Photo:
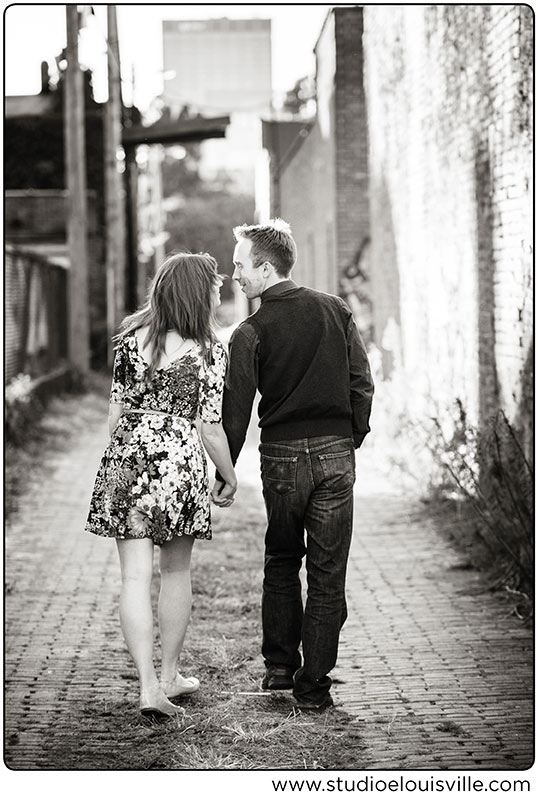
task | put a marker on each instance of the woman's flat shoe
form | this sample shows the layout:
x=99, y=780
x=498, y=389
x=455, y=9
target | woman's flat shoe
x=180, y=686
x=157, y=707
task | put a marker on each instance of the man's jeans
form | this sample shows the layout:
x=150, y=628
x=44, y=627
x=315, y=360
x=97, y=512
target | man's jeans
x=307, y=484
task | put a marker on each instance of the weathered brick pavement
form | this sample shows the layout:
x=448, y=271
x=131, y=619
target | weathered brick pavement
x=434, y=671
x=437, y=672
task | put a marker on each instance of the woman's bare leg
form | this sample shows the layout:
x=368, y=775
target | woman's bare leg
x=136, y=617
x=175, y=601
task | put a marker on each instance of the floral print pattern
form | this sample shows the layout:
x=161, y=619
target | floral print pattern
x=152, y=480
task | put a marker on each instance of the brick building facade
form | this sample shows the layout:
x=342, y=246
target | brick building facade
x=450, y=158
x=322, y=176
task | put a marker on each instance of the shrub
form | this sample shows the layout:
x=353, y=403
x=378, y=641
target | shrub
x=489, y=470
x=21, y=408
x=478, y=478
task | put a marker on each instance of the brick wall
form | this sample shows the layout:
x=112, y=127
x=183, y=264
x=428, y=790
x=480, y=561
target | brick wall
x=450, y=157
x=351, y=132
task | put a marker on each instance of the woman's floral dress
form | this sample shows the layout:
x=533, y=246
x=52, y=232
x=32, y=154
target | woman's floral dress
x=152, y=480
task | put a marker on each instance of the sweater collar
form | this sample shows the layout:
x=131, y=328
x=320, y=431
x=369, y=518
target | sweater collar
x=278, y=288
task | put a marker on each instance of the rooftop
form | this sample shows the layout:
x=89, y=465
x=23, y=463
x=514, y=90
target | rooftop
x=28, y=105
x=216, y=25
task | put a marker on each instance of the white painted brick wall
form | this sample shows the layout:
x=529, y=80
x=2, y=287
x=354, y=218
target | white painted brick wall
x=451, y=199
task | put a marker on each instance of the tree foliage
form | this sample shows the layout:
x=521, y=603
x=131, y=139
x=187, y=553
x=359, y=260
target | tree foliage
x=205, y=212
x=300, y=100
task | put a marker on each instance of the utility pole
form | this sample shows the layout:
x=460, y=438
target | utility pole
x=77, y=229
x=115, y=241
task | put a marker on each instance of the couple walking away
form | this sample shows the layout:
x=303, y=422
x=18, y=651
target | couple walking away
x=171, y=380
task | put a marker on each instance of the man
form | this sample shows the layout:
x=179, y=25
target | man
x=301, y=349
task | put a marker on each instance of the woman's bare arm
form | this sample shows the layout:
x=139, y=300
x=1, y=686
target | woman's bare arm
x=114, y=414
x=216, y=444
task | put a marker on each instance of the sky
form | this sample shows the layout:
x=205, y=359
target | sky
x=36, y=33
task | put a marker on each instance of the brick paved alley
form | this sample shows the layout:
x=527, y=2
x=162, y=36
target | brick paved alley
x=433, y=669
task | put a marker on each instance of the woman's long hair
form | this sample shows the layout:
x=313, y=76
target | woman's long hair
x=181, y=298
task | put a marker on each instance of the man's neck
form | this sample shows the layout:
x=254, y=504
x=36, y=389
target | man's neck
x=273, y=281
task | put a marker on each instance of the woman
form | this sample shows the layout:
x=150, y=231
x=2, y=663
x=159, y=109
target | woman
x=152, y=485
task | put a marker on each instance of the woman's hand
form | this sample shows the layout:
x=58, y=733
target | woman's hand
x=223, y=494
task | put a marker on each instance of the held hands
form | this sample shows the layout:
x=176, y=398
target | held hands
x=223, y=494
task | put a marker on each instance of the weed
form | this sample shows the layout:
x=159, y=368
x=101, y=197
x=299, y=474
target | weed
x=448, y=726
x=477, y=483
x=260, y=732
x=194, y=756
x=489, y=472
x=21, y=408
x=33, y=436
x=389, y=726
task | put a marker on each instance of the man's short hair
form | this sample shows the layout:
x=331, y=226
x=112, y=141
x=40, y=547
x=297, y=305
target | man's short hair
x=271, y=242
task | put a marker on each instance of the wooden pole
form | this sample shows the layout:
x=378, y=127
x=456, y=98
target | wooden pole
x=77, y=230
x=114, y=190
x=136, y=277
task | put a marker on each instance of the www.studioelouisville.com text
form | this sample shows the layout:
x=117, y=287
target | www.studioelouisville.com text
x=461, y=783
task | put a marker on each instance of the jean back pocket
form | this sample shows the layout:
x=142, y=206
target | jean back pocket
x=279, y=475
x=338, y=469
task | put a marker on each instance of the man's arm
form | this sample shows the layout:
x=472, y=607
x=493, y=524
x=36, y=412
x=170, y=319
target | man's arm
x=240, y=387
x=362, y=385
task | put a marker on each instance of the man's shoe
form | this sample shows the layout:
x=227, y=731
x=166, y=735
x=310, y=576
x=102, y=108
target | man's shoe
x=309, y=705
x=278, y=678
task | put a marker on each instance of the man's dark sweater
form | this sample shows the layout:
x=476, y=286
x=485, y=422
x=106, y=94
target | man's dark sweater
x=304, y=353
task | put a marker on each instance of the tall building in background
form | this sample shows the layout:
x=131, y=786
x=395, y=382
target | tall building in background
x=222, y=66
